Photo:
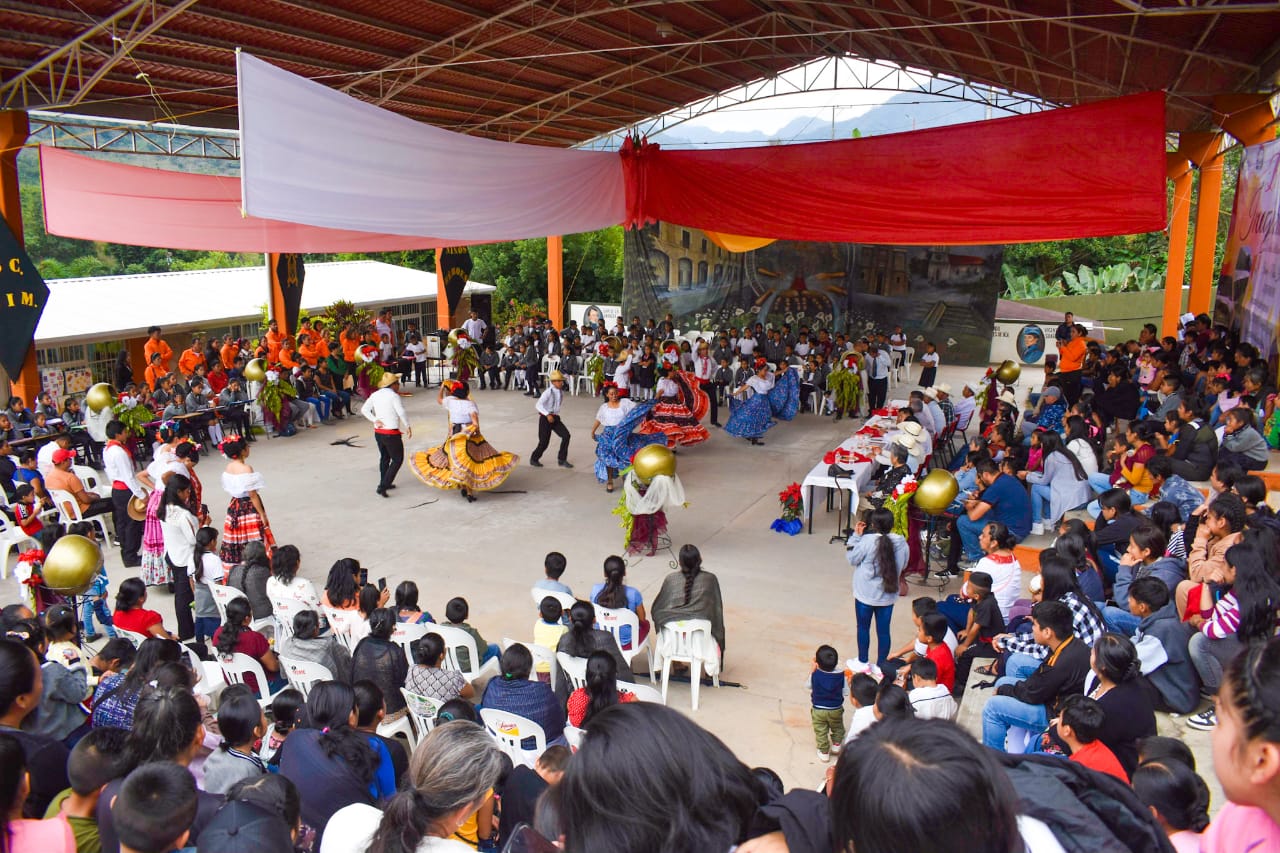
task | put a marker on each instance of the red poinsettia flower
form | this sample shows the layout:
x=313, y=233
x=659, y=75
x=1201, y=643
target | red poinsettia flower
x=829, y=458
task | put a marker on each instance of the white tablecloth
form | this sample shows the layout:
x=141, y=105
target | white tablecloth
x=859, y=473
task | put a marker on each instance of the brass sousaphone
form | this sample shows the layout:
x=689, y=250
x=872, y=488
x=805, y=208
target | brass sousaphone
x=615, y=343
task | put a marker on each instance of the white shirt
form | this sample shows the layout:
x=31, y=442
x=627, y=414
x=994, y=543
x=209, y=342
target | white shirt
x=44, y=457
x=704, y=368
x=898, y=343
x=666, y=388
x=301, y=590
x=747, y=346
x=929, y=358
x=963, y=407
x=622, y=374
x=609, y=416
x=179, y=528
x=760, y=386
x=460, y=411
x=474, y=328
x=211, y=568
x=939, y=419
x=119, y=466
x=1083, y=451
x=419, y=351
x=878, y=367
x=384, y=406
x=933, y=703
x=549, y=402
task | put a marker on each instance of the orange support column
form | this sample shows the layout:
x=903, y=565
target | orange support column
x=1246, y=116
x=275, y=305
x=1178, y=168
x=1203, y=149
x=444, y=319
x=555, y=281
x=14, y=130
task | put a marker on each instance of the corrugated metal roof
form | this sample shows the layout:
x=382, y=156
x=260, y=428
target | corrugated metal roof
x=123, y=306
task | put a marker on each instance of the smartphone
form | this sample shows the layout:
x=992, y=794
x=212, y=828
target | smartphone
x=526, y=840
x=364, y=576
x=382, y=583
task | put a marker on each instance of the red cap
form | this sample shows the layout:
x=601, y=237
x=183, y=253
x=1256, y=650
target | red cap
x=62, y=455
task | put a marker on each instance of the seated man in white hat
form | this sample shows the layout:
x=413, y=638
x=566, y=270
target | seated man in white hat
x=942, y=394
x=940, y=420
x=964, y=405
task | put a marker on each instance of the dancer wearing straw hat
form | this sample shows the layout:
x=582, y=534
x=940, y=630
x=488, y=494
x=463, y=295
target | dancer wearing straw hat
x=390, y=426
x=548, y=407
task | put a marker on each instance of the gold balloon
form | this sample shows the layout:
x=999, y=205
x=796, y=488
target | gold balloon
x=936, y=491
x=99, y=397
x=652, y=460
x=255, y=371
x=1008, y=372
x=71, y=564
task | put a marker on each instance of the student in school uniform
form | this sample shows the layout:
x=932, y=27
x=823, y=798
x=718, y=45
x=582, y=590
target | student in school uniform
x=929, y=375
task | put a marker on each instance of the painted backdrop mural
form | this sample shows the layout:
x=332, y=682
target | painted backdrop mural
x=942, y=294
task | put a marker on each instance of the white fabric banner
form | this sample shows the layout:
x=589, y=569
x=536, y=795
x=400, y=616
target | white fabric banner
x=312, y=155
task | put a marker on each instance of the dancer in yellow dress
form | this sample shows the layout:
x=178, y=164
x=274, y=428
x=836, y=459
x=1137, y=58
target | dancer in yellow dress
x=465, y=461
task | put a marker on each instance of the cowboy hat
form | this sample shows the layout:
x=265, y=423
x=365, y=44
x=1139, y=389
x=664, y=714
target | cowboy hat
x=1007, y=397
x=388, y=379
x=137, y=508
x=906, y=442
x=912, y=428
x=942, y=388
x=930, y=392
x=555, y=376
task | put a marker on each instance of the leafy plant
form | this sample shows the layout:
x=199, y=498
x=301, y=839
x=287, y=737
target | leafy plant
x=846, y=389
x=134, y=418
x=273, y=395
x=1027, y=287
x=512, y=311
x=341, y=314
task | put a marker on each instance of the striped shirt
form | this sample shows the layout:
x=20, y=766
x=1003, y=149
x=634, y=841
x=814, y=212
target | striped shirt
x=1085, y=626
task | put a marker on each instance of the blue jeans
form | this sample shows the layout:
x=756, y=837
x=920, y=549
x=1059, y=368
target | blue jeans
x=334, y=400
x=492, y=651
x=1100, y=482
x=1040, y=502
x=1004, y=713
x=969, y=531
x=864, y=613
x=1019, y=666
x=322, y=405
x=92, y=606
x=1120, y=621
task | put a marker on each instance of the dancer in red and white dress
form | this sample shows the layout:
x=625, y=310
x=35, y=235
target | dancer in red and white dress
x=681, y=406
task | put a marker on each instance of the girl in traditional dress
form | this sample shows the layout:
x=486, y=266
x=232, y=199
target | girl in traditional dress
x=751, y=418
x=622, y=373
x=155, y=571
x=784, y=396
x=465, y=461
x=246, y=516
x=680, y=408
x=615, y=436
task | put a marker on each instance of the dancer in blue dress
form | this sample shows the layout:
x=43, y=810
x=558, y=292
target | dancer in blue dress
x=614, y=433
x=751, y=418
x=784, y=396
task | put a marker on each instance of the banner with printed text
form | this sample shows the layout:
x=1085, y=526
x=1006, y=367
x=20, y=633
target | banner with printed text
x=1249, y=285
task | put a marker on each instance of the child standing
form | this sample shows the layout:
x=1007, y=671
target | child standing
x=930, y=362
x=25, y=511
x=208, y=569
x=878, y=556
x=826, y=694
x=95, y=597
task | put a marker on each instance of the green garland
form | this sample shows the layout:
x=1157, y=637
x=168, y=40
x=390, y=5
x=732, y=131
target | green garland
x=899, y=506
x=272, y=396
x=372, y=371
x=625, y=519
x=133, y=418
x=466, y=356
x=595, y=369
x=846, y=389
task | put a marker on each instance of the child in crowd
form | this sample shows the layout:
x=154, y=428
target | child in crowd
x=456, y=613
x=826, y=695
x=723, y=379
x=41, y=425
x=933, y=633
x=929, y=699
x=985, y=622
x=1162, y=640
x=553, y=565
x=428, y=678
x=862, y=695
x=25, y=512
x=407, y=609
x=97, y=758
x=920, y=607
x=241, y=723
x=66, y=675
x=1079, y=723
x=155, y=808
x=209, y=570
x=95, y=597
x=1177, y=797
x=1207, y=572
x=548, y=628
x=286, y=713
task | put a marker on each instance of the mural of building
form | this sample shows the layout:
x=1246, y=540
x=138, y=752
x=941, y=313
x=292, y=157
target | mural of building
x=684, y=258
x=883, y=270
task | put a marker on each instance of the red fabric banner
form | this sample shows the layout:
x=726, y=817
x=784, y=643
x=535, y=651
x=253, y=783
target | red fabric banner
x=1087, y=171
x=91, y=199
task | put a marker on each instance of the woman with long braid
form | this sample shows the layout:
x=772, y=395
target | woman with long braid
x=691, y=593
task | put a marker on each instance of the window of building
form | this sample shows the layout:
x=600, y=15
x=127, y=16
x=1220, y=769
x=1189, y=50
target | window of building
x=704, y=245
x=684, y=239
x=702, y=272
x=686, y=272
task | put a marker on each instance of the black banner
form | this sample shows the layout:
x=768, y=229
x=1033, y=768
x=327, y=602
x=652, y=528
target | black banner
x=23, y=295
x=455, y=265
x=290, y=273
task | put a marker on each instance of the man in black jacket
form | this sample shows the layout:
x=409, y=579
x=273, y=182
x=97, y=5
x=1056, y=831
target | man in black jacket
x=1031, y=703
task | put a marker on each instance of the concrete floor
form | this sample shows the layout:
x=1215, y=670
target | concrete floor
x=783, y=595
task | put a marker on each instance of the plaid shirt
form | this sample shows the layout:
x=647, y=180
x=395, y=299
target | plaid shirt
x=1086, y=627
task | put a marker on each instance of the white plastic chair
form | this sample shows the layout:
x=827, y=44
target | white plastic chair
x=282, y=612
x=11, y=539
x=537, y=594
x=69, y=512
x=455, y=639
x=93, y=480
x=400, y=726
x=422, y=712
x=614, y=621
x=302, y=674
x=405, y=634
x=541, y=655
x=683, y=642
x=223, y=595
x=344, y=625
x=549, y=363
x=209, y=675
x=238, y=666
x=583, y=382
x=573, y=736
x=643, y=692
x=132, y=636
x=509, y=730
x=575, y=669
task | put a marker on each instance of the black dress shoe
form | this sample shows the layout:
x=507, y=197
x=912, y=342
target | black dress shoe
x=535, y=463
x=382, y=492
x=565, y=464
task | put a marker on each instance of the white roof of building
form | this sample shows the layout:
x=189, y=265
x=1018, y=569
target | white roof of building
x=124, y=306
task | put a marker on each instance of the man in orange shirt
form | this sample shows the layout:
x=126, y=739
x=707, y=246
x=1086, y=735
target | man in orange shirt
x=155, y=371
x=307, y=349
x=157, y=344
x=230, y=349
x=1071, y=355
x=275, y=339
x=60, y=478
x=350, y=341
x=288, y=356
x=192, y=357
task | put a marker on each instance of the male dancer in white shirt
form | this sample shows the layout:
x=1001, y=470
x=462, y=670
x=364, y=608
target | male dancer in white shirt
x=390, y=426
x=549, y=421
